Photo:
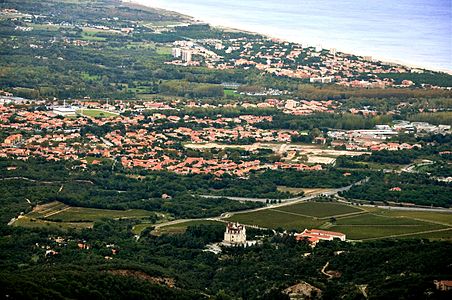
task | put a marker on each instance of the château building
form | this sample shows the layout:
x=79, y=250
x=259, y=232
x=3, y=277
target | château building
x=235, y=234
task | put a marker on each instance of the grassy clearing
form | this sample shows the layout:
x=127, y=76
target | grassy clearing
x=137, y=229
x=96, y=113
x=87, y=77
x=88, y=37
x=320, y=209
x=379, y=166
x=59, y=215
x=73, y=214
x=229, y=92
x=104, y=160
x=48, y=27
x=163, y=50
x=90, y=34
x=181, y=227
x=29, y=222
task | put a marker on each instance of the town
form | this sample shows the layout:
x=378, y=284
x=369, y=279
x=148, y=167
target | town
x=158, y=136
x=146, y=154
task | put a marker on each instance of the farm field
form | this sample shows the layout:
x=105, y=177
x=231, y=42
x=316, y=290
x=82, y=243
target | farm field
x=270, y=218
x=320, y=209
x=367, y=232
x=27, y=222
x=358, y=223
x=232, y=93
x=57, y=214
x=74, y=214
x=438, y=217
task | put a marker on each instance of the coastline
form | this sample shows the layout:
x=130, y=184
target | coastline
x=222, y=24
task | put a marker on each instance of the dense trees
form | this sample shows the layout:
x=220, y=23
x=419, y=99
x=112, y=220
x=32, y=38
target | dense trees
x=342, y=93
x=101, y=188
x=186, y=89
x=433, y=118
x=324, y=120
x=438, y=79
x=414, y=188
x=138, y=270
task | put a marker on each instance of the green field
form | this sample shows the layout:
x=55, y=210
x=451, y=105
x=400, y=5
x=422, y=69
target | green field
x=74, y=214
x=96, y=113
x=365, y=232
x=178, y=228
x=320, y=209
x=28, y=222
x=57, y=214
x=229, y=92
x=163, y=50
x=373, y=219
x=270, y=218
x=438, y=217
x=358, y=223
x=87, y=76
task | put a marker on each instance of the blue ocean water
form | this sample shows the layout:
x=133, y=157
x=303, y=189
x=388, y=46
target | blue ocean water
x=415, y=32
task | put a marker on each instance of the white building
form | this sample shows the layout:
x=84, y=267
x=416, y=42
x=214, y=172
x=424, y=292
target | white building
x=186, y=55
x=291, y=104
x=327, y=79
x=176, y=52
x=64, y=110
x=235, y=234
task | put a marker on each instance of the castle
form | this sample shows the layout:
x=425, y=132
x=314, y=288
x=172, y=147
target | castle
x=235, y=234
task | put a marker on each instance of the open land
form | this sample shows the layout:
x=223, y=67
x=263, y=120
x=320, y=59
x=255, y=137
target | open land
x=357, y=222
x=97, y=113
x=57, y=214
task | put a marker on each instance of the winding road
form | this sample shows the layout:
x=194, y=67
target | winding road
x=285, y=202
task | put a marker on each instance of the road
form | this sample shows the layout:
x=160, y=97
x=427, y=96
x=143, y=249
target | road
x=286, y=202
x=411, y=168
x=328, y=192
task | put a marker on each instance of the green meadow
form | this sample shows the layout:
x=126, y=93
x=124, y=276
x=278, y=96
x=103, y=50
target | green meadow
x=357, y=222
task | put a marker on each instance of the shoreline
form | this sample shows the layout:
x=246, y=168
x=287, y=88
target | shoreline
x=221, y=25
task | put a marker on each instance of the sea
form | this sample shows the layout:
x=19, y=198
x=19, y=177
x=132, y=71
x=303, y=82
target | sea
x=413, y=32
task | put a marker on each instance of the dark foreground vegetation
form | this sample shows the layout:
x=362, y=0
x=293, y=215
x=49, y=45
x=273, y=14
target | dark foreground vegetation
x=176, y=267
